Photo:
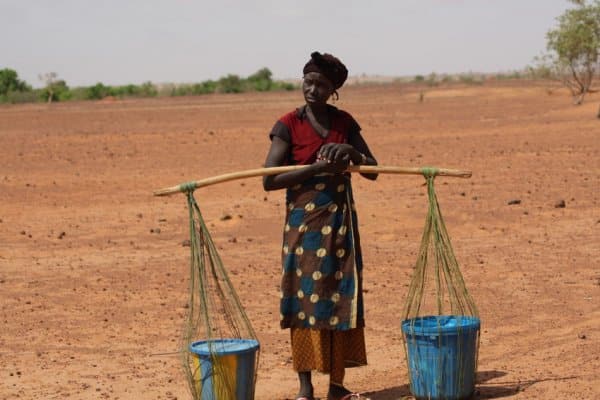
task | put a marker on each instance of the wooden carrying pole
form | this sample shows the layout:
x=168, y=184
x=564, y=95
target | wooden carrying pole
x=365, y=169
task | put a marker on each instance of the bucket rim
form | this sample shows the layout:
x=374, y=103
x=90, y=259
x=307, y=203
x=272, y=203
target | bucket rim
x=436, y=324
x=236, y=346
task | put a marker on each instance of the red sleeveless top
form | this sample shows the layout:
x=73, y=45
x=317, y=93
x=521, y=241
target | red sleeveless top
x=296, y=129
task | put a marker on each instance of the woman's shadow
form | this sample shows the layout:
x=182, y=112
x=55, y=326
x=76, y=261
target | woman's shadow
x=482, y=390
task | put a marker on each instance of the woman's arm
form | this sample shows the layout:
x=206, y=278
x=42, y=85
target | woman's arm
x=277, y=157
x=359, y=144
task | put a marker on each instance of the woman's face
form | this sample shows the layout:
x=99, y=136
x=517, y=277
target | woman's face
x=316, y=88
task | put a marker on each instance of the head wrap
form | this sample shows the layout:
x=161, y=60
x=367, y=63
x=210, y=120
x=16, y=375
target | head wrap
x=329, y=66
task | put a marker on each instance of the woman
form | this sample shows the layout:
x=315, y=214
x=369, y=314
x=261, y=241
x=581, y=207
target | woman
x=321, y=290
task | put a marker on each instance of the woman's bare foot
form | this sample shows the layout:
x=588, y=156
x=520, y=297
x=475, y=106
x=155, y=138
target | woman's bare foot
x=305, y=395
x=306, y=388
x=337, y=392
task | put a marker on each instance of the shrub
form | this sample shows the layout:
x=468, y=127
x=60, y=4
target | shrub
x=263, y=74
x=261, y=80
x=10, y=82
x=230, y=84
x=126, y=90
x=98, y=92
x=147, y=89
x=262, y=85
x=205, y=87
x=55, y=91
x=79, y=93
x=181, y=90
x=284, y=86
x=30, y=96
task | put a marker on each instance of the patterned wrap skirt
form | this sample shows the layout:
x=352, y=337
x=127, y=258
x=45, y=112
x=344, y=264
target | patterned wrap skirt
x=321, y=286
x=328, y=351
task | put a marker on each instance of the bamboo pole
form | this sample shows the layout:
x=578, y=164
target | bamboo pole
x=365, y=169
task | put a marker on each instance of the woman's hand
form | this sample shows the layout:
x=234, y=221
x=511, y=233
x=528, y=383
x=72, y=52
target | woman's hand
x=334, y=157
x=335, y=167
x=338, y=152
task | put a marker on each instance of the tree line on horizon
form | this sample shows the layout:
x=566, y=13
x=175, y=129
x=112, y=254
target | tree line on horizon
x=15, y=90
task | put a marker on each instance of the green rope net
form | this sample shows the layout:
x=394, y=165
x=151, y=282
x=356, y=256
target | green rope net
x=440, y=324
x=220, y=350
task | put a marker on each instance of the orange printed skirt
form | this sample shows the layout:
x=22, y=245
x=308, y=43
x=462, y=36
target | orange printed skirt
x=328, y=351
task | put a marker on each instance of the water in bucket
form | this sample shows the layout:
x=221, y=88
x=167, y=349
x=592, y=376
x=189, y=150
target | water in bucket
x=223, y=369
x=442, y=356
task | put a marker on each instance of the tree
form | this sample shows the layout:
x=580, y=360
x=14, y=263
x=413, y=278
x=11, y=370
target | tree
x=147, y=89
x=574, y=47
x=98, y=91
x=10, y=82
x=264, y=74
x=55, y=89
x=231, y=84
x=261, y=80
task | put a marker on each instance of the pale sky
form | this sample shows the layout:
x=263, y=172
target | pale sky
x=133, y=41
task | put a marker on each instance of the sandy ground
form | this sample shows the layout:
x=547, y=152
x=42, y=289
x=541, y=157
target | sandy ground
x=93, y=273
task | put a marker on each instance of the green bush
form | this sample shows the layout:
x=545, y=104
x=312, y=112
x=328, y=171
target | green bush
x=98, y=92
x=181, y=90
x=262, y=85
x=284, y=86
x=261, y=80
x=230, y=84
x=263, y=74
x=205, y=87
x=147, y=89
x=30, y=96
x=55, y=91
x=79, y=93
x=10, y=82
x=125, y=90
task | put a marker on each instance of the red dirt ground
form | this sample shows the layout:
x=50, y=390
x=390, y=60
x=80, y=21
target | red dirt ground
x=93, y=274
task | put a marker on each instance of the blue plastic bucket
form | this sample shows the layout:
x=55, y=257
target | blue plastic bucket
x=233, y=372
x=442, y=356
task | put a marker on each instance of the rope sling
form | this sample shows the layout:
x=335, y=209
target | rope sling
x=220, y=349
x=440, y=323
x=218, y=334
